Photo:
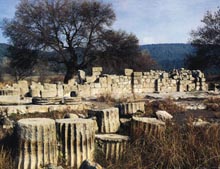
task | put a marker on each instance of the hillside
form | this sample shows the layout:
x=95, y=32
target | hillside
x=169, y=56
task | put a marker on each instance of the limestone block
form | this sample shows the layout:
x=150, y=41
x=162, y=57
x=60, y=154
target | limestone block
x=76, y=139
x=128, y=72
x=130, y=108
x=60, y=91
x=72, y=82
x=9, y=100
x=107, y=119
x=163, y=115
x=37, y=144
x=91, y=79
x=81, y=76
x=137, y=74
x=112, y=145
x=23, y=87
x=97, y=69
x=147, y=126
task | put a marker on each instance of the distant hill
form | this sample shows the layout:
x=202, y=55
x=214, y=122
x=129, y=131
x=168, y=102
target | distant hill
x=169, y=56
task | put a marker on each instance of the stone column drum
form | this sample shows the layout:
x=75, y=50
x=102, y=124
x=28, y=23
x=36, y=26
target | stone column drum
x=146, y=125
x=37, y=145
x=131, y=108
x=112, y=145
x=76, y=138
x=107, y=119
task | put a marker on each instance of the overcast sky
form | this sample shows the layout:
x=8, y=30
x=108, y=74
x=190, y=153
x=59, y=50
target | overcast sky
x=152, y=21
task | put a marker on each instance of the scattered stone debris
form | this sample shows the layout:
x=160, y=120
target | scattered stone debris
x=163, y=115
x=90, y=165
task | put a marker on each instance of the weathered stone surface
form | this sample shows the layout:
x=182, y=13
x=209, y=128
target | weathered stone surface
x=82, y=76
x=163, y=115
x=90, y=165
x=131, y=108
x=107, y=119
x=146, y=125
x=200, y=123
x=112, y=145
x=9, y=100
x=46, y=101
x=72, y=100
x=128, y=72
x=70, y=116
x=37, y=144
x=76, y=139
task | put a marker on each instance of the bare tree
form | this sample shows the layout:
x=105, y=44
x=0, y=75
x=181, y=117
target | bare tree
x=121, y=50
x=63, y=26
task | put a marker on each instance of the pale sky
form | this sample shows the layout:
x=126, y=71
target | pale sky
x=152, y=21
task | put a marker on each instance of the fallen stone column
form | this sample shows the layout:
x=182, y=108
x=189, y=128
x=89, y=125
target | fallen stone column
x=107, y=119
x=130, y=108
x=112, y=145
x=37, y=145
x=76, y=139
x=146, y=125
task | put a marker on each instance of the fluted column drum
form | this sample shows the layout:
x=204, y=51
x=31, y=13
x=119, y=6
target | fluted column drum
x=112, y=145
x=76, y=140
x=131, y=108
x=37, y=145
x=146, y=125
x=107, y=119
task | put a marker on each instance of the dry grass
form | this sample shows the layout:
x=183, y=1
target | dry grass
x=166, y=104
x=180, y=147
x=213, y=104
x=6, y=161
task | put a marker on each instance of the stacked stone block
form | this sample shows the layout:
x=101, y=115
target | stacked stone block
x=37, y=144
x=118, y=85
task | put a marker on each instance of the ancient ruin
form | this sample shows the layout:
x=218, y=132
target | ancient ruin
x=108, y=128
x=37, y=143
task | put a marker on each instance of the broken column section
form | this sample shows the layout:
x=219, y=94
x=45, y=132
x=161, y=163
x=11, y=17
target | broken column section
x=107, y=119
x=37, y=145
x=76, y=139
x=112, y=146
x=146, y=125
x=131, y=108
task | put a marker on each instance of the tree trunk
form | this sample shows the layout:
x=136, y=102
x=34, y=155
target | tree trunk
x=69, y=73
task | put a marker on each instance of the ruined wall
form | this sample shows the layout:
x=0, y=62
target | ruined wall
x=117, y=85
